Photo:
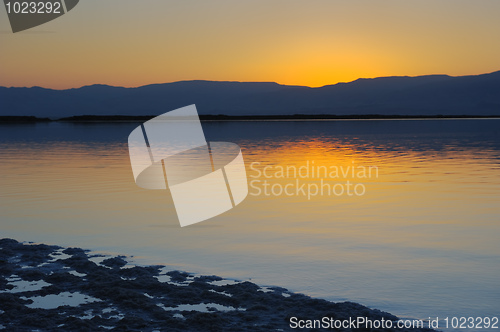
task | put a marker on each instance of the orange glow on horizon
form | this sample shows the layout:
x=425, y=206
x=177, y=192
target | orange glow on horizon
x=309, y=44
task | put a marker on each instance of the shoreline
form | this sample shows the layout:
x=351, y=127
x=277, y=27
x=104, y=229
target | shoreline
x=47, y=287
x=224, y=118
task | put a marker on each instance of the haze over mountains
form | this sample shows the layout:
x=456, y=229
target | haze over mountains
x=422, y=95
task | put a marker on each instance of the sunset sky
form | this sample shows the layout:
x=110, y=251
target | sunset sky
x=317, y=42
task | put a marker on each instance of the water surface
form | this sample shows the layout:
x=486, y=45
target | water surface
x=422, y=241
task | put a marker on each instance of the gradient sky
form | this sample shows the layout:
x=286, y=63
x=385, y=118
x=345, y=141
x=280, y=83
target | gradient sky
x=314, y=43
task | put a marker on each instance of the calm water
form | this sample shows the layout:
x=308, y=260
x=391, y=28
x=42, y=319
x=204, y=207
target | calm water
x=423, y=240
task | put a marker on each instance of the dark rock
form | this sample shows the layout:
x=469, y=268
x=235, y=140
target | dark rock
x=115, y=262
x=137, y=298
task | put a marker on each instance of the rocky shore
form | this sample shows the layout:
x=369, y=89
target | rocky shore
x=50, y=288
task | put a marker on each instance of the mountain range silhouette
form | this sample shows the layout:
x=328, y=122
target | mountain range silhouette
x=402, y=95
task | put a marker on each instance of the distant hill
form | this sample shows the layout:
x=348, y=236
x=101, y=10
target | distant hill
x=422, y=95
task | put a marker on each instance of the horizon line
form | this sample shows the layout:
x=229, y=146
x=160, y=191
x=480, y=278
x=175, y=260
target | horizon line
x=261, y=82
